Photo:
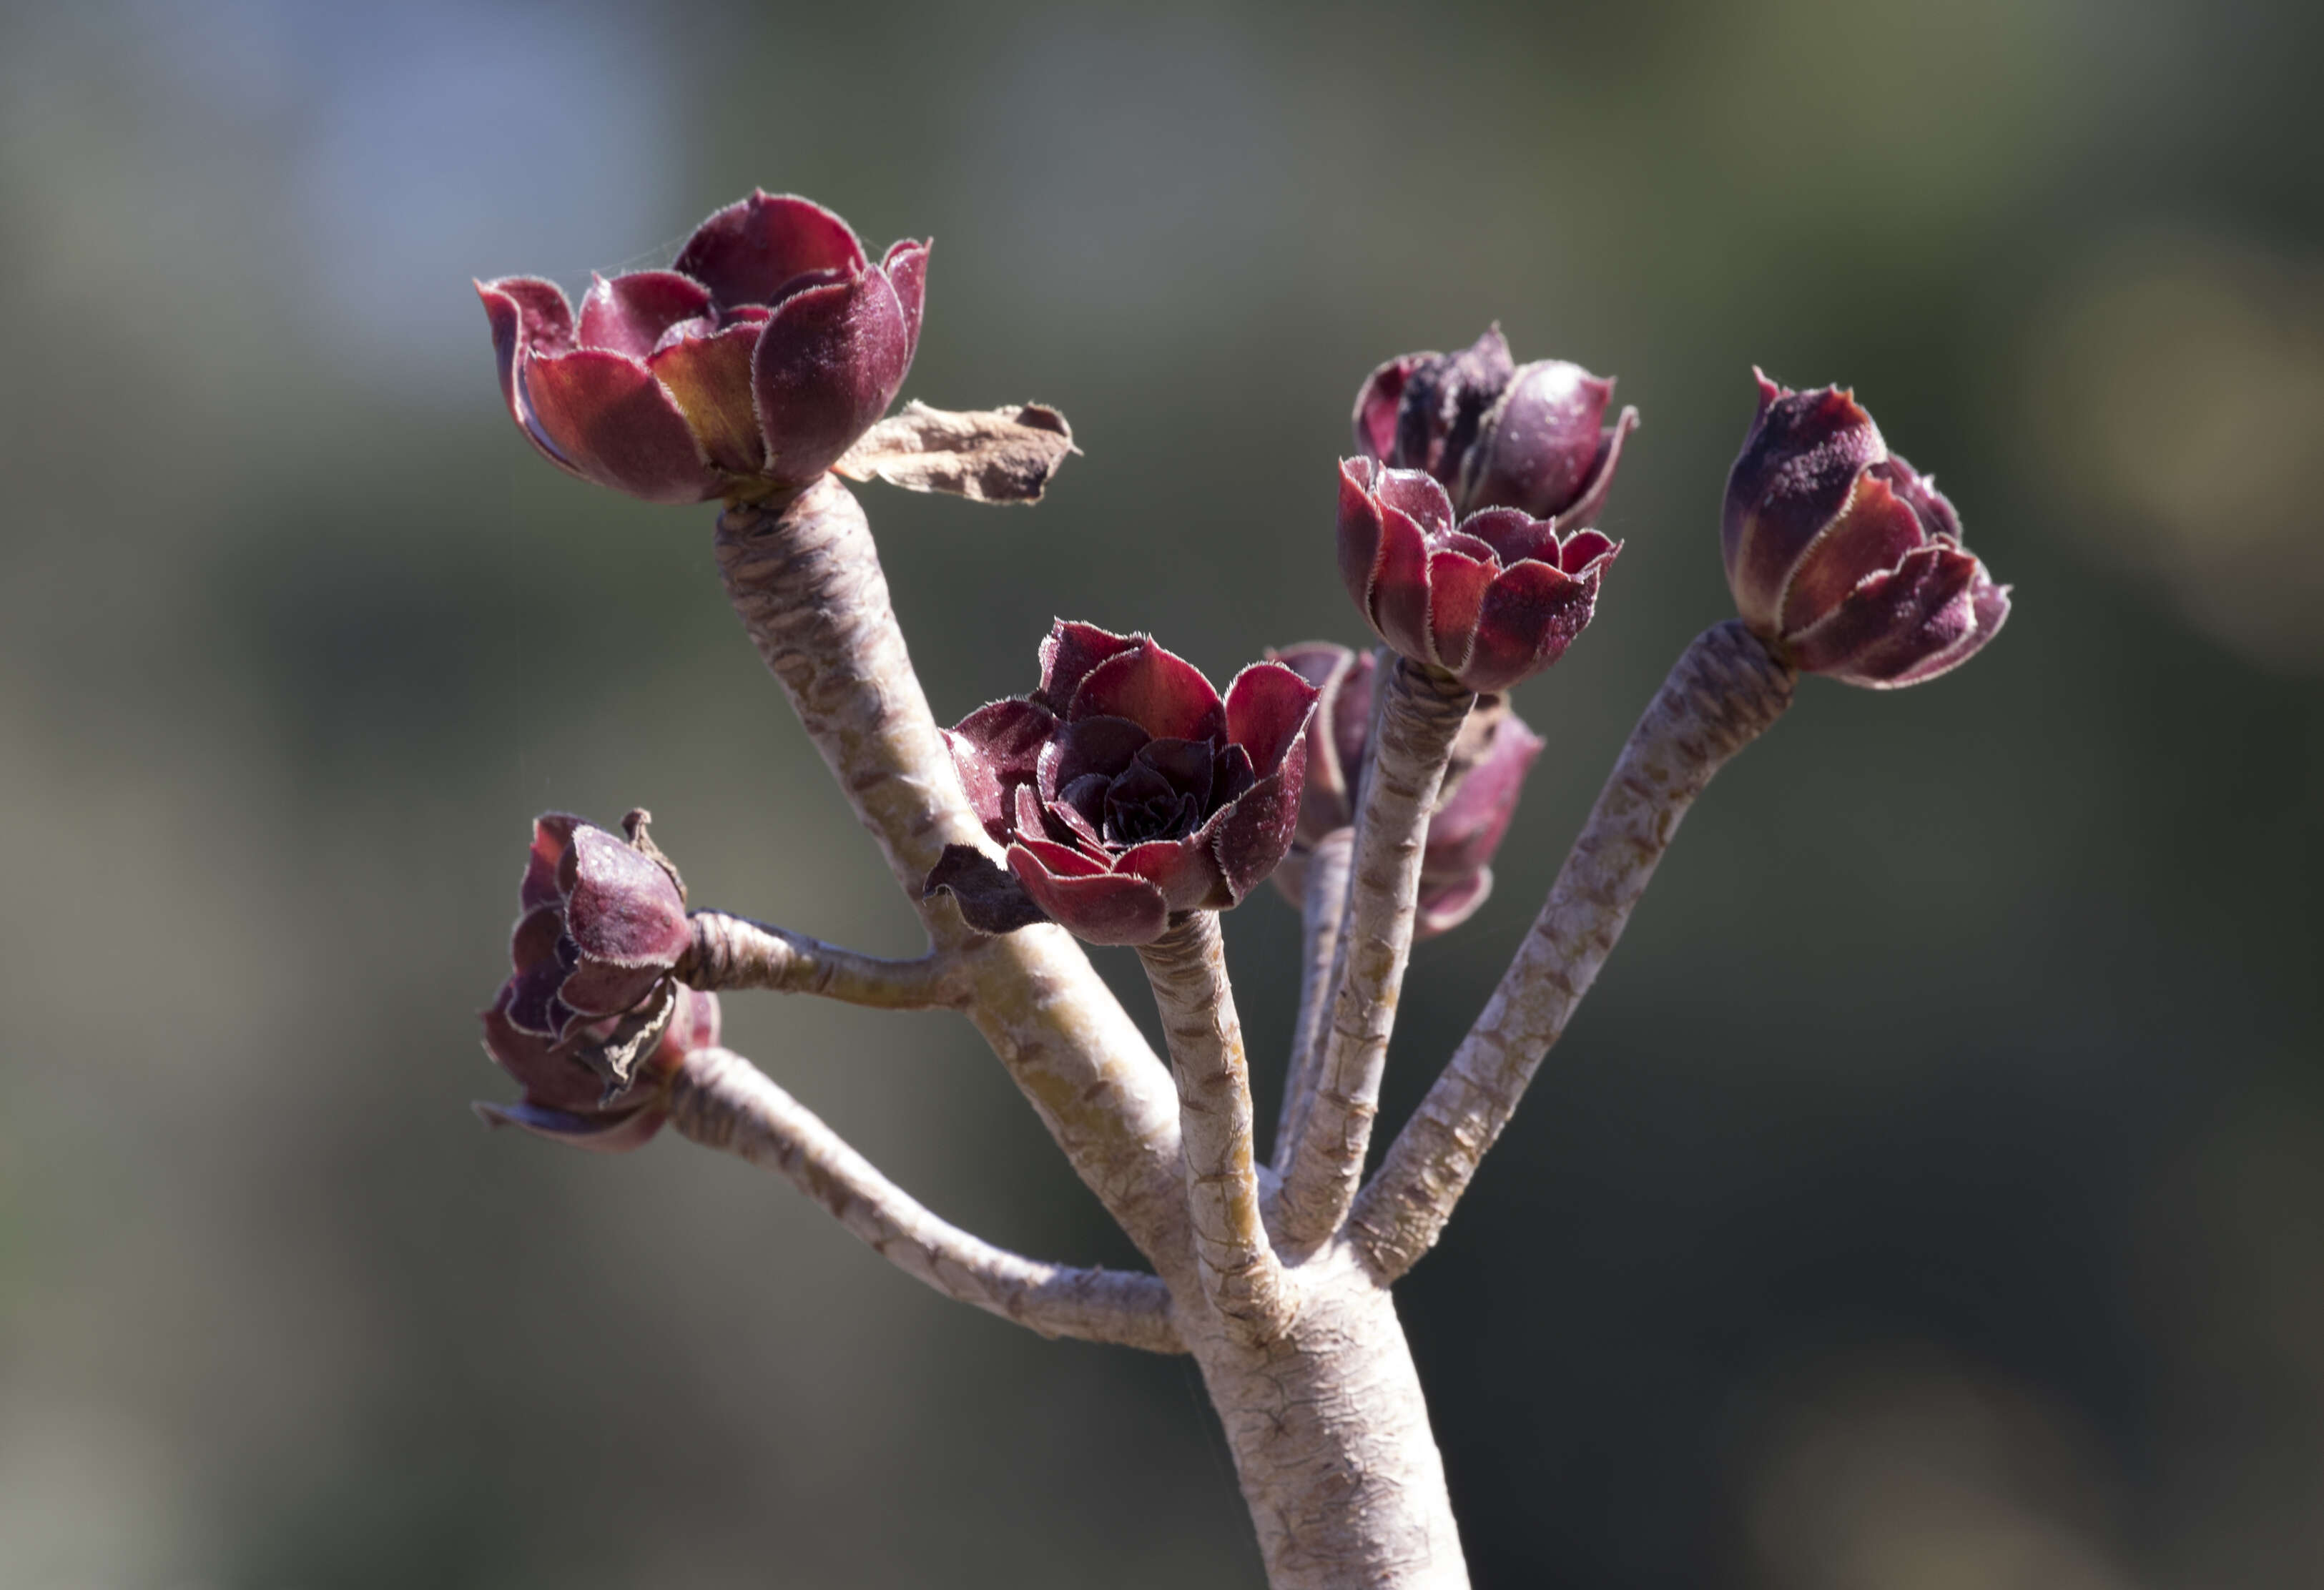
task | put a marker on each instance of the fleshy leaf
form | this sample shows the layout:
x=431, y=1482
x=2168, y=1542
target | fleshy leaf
x=828, y=363
x=1100, y=908
x=990, y=898
x=1155, y=689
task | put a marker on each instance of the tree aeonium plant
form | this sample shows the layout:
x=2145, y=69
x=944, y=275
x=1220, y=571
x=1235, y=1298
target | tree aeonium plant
x=1125, y=800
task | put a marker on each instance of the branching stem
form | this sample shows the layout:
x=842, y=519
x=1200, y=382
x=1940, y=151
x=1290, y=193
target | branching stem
x=1322, y=905
x=735, y=952
x=721, y=1100
x=805, y=580
x=1240, y=1273
x=1420, y=715
x=1724, y=692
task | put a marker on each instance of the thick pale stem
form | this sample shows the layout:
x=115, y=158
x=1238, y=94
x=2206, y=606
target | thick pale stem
x=735, y=952
x=1241, y=1274
x=805, y=580
x=1420, y=714
x=1331, y=1439
x=1724, y=692
x=1322, y=906
x=721, y=1100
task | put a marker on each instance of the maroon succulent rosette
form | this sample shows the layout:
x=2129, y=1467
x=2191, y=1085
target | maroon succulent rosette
x=1484, y=778
x=1126, y=790
x=1497, y=434
x=745, y=370
x=1491, y=601
x=594, y=1006
x=1842, y=557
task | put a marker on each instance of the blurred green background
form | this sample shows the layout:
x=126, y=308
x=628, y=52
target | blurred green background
x=1930, y=1196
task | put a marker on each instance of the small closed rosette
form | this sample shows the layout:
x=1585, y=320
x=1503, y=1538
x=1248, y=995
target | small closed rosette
x=1126, y=790
x=1494, y=433
x=1842, y=557
x=593, y=1007
x=744, y=371
x=1478, y=799
x=1490, y=601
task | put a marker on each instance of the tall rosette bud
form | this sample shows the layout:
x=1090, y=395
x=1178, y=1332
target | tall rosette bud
x=1842, y=557
x=1490, y=601
x=744, y=371
x=601, y=925
x=1126, y=790
x=593, y=1018
x=1479, y=797
x=1494, y=433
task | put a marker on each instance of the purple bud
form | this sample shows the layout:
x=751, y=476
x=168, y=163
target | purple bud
x=1126, y=789
x=1543, y=448
x=1841, y=558
x=743, y=371
x=1492, y=600
x=1495, y=435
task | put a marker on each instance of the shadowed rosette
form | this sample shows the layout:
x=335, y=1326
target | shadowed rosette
x=1496, y=434
x=1126, y=790
x=746, y=369
x=1485, y=773
x=601, y=925
x=1841, y=558
x=1491, y=601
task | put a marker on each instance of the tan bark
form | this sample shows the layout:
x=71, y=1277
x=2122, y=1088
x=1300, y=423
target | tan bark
x=1323, y=905
x=1419, y=716
x=807, y=583
x=721, y=1101
x=1242, y=1277
x=1331, y=1442
x=735, y=952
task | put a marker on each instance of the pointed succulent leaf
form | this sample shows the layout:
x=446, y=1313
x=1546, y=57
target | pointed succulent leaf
x=829, y=361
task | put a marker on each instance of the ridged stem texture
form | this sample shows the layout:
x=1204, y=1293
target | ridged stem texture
x=733, y=952
x=1420, y=715
x=805, y=580
x=1321, y=908
x=1242, y=1276
x=1724, y=692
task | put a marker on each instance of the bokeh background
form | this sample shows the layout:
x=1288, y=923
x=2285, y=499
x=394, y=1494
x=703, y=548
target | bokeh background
x=1930, y=1196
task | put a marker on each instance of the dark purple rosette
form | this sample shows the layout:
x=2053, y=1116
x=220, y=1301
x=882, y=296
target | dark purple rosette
x=744, y=371
x=1494, y=433
x=1842, y=557
x=1126, y=790
x=1482, y=781
x=1490, y=601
